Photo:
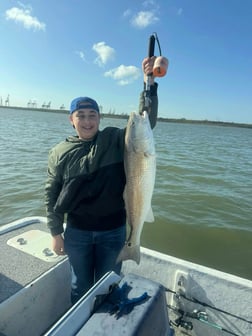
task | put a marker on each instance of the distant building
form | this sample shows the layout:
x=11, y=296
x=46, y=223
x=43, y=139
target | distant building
x=7, y=101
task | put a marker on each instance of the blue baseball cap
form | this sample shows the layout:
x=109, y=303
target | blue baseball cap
x=83, y=102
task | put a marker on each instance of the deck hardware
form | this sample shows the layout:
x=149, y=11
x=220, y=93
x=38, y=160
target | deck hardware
x=200, y=315
x=47, y=252
x=180, y=286
x=21, y=241
x=180, y=322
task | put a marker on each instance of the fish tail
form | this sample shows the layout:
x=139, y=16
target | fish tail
x=129, y=252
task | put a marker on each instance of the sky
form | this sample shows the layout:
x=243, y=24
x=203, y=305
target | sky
x=56, y=50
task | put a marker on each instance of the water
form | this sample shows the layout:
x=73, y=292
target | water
x=203, y=194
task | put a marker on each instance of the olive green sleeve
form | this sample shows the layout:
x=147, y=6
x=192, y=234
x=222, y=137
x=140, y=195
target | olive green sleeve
x=52, y=189
x=153, y=109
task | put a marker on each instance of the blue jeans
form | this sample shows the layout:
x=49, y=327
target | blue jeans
x=92, y=254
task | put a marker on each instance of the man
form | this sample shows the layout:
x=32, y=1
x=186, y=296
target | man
x=86, y=180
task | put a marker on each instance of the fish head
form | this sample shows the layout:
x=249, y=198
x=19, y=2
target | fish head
x=139, y=135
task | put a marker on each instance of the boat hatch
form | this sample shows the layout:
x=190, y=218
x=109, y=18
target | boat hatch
x=132, y=306
x=36, y=243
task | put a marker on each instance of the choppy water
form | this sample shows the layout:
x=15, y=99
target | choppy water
x=203, y=194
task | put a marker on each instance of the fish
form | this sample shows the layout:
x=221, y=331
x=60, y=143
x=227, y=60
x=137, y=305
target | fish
x=140, y=171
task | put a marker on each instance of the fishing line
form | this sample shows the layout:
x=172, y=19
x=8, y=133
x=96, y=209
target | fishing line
x=156, y=37
x=199, y=316
x=194, y=300
x=160, y=67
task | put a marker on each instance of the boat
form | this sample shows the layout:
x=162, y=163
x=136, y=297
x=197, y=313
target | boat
x=168, y=296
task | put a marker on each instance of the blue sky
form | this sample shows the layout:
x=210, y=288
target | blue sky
x=56, y=50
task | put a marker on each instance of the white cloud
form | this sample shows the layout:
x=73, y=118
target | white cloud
x=105, y=53
x=123, y=74
x=180, y=11
x=147, y=3
x=127, y=13
x=24, y=17
x=81, y=55
x=144, y=19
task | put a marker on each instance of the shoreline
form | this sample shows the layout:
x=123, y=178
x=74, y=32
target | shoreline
x=125, y=116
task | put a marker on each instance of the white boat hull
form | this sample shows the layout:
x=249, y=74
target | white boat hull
x=42, y=296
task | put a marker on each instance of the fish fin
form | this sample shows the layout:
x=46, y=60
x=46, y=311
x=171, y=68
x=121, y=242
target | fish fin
x=129, y=252
x=150, y=153
x=150, y=217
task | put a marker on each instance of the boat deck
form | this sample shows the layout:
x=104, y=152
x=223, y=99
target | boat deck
x=32, y=285
x=18, y=271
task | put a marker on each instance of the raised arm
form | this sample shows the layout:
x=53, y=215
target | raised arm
x=152, y=105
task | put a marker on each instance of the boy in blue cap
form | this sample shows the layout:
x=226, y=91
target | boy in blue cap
x=86, y=181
